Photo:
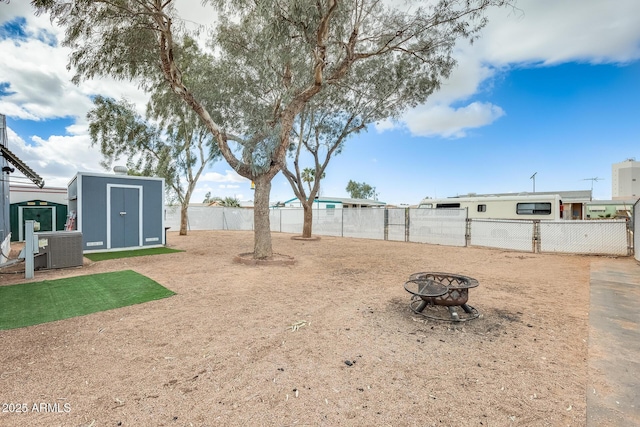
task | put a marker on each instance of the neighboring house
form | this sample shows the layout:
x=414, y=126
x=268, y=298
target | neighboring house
x=332, y=203
x=47, y=206
x=610, y=209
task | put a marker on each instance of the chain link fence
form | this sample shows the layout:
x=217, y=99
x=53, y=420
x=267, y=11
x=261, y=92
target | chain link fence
x=449, y=227
x=363, y=223
x=600, y=237
x=438, y=226
x=396, y=224
x=515, y=235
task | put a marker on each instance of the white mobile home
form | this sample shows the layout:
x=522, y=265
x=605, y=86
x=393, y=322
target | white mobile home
x=531, y=206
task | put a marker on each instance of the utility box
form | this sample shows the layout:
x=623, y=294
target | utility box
x=116, y=211
x=58, y=249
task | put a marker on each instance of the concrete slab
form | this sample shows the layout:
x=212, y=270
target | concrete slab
x=613, y=385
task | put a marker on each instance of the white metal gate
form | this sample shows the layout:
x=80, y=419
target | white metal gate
x=584, y=237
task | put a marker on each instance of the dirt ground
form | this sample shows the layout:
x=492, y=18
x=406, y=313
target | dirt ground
x=225, y=350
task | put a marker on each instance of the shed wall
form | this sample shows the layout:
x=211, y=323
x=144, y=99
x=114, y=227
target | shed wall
x=94, y=202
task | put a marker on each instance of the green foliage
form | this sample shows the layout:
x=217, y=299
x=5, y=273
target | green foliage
x=227, y=202
x=231, y=202
x=121, y=132
x=360, y=190
x=309, y=176
x=207, y=198
x=175, y=147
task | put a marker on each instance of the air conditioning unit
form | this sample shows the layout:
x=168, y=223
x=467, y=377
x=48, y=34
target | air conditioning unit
x=58, y=249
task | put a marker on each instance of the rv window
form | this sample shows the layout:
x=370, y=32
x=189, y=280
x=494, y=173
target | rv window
x=447, y=205
x=597, y=208
x=426, y=205
x=533, y=208
x=482, y=208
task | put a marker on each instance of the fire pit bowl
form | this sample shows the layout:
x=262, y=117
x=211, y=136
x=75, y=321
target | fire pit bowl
x=433, y=289
x=425, y=288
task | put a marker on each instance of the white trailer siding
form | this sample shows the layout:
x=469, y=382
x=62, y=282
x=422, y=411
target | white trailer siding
x=547, y=207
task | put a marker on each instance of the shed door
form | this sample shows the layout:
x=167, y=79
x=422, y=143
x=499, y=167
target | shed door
x=125, y=217
x=43, y=215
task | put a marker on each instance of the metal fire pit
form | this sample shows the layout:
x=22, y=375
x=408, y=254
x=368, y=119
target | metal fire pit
x=431, y=290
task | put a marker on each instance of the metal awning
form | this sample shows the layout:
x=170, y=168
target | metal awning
x=21, y=166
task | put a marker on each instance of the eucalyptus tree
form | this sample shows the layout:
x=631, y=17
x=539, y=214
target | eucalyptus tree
x=171, y=141
x=375, y=90
x=273, y=58
x=176, y=147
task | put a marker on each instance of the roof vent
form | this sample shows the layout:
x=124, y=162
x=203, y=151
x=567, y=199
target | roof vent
x=120, y=170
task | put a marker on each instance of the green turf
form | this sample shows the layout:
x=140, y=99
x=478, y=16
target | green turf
x=102, y=256
x=33, y=303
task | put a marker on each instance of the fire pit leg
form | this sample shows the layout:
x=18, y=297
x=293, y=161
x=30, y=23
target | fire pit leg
x=421, y=306
x=466, y=308
x=454, y=313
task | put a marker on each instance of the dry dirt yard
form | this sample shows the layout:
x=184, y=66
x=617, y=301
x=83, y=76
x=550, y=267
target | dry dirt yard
x=223, y=352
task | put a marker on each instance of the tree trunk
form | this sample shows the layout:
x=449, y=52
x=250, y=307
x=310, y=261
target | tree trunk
x=308, y=218
x=261, y=224
x=184, y=218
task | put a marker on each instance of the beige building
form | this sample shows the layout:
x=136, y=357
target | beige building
x=625, y=181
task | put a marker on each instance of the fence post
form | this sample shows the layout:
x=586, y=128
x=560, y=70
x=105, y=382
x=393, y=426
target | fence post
x=467, y=228
x=467, y=232
x=630, y=246
x=30, y=246
x=386, y=224
x=536, y=236
x=407, y=218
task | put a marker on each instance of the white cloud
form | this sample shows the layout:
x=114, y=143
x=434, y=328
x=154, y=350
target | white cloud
x=387, y=124
x=556, y=31
x=546, y=32
x=229, y=176
x=446, y=121
x=40, y=85
x=58, y=158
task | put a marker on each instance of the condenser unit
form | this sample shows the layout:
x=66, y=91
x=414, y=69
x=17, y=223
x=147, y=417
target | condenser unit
x=58, y=249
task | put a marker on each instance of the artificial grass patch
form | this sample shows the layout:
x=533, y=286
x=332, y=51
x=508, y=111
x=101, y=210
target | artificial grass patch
x=102, y=256
x=29, y=304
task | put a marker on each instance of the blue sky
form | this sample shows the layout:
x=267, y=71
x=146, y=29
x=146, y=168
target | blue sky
x=548, y=88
